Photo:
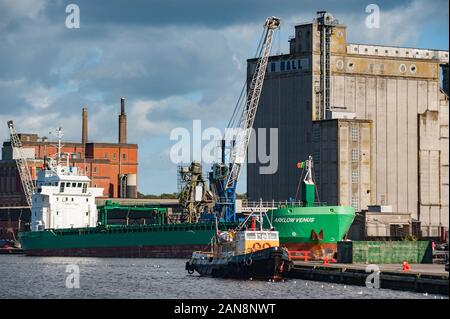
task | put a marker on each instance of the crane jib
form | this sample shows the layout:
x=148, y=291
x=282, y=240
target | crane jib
x=22, y=164
x=239, y=151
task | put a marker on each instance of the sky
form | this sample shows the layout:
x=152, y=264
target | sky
x=173, y=61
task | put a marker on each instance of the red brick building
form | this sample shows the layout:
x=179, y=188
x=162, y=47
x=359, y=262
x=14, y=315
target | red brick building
x=113, y=166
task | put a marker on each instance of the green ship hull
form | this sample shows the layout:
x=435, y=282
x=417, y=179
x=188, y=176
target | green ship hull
x=316, y=229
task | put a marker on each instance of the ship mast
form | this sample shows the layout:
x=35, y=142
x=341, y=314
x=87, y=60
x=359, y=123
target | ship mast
x=59, y=134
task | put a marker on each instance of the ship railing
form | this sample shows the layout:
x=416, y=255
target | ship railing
x=202, y=254
x=276, y=204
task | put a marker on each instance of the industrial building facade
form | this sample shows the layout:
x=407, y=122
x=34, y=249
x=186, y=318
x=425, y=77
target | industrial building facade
x=374, y=118
x=113, y=166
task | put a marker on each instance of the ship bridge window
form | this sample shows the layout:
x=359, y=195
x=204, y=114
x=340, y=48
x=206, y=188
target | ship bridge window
x=61, y=187
x=74, y=184
x=84, y=187
x=262, y=235
x=273, y=236
x=251, y=236
x=79, y=185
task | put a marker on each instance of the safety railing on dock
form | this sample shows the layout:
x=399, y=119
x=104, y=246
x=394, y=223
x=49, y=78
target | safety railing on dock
x=304, y=255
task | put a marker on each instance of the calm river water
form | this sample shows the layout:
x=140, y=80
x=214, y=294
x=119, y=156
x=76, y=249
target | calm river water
x=46, y=277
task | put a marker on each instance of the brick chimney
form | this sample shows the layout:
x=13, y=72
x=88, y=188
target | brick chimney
x=122, y=122
x=84, y=126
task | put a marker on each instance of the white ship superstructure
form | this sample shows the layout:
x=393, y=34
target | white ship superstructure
x=63, y=197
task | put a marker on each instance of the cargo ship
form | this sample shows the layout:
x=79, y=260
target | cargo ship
x=65, y=222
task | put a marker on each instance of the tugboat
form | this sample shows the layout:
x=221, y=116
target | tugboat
x=245, y=252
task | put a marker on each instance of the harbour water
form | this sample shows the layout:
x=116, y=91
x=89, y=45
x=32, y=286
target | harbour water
x=46, y=277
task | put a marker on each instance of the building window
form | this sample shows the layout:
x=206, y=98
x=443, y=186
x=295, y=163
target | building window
x=402, y=68
x=355, y=202
x=316, y=156
x=95, y=169
x=106, y=155
x=355, y=176
x=355, y=134
x=124, y=156
x=114, y=156
x=316, y=134
x=355, y=155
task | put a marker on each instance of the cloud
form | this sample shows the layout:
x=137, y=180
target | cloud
x=174, y=61
x=402, y=25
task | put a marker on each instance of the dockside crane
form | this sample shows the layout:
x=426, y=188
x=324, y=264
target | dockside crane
x=22, y=164
x=223, y=178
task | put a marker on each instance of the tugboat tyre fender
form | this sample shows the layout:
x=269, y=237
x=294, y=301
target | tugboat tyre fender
x=256, y=246
x=266, y=245
x=249, y=262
